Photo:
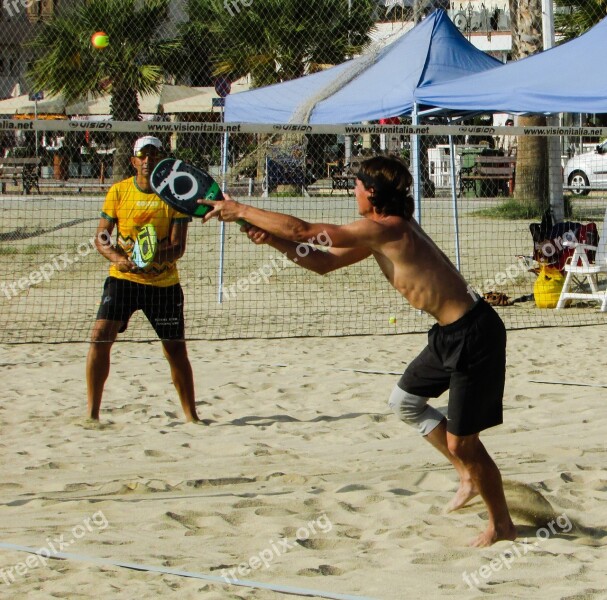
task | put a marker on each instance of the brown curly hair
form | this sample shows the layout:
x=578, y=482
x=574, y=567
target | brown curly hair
x=390, y=181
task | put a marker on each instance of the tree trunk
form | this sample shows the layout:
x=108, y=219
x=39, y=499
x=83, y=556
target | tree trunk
x=124, y=106
x=532, y=166
x=514, y=28
x=532, y=152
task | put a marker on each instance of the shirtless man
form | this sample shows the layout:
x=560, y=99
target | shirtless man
x=466, y=351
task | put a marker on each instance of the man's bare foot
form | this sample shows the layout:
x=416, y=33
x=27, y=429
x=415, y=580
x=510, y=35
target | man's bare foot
x=494, y=534
x=89, y=423
x=198, y=421
x=464, y=494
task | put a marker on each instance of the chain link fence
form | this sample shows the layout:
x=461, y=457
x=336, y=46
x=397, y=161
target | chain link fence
x=72, y=111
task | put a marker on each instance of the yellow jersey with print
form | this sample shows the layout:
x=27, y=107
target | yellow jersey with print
x=129, y=209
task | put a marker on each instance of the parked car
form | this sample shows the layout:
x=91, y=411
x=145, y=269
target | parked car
x=588, y=170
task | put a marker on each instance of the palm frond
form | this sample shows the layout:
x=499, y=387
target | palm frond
x=275, y=40
x=574, y=17
x=136, y=60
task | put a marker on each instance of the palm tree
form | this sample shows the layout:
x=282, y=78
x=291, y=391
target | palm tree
x=137, y=60
x=532, y=152
x=277, y=40
x=574, y=17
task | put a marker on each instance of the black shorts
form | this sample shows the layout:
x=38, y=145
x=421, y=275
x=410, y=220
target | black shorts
x=468, y=358
x=163, y=306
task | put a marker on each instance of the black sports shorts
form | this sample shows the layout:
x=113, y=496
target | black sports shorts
x=163, y=306
x=468, y=358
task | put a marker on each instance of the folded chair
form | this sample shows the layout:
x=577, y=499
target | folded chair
x=581, y=267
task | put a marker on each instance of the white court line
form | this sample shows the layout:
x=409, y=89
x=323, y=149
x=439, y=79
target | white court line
x=105, y=562
x=372, y=372
x=149, y=359
x=581, y=384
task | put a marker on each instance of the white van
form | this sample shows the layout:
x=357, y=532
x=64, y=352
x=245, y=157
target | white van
x=587, y=171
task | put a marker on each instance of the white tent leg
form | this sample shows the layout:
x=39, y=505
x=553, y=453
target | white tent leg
x=555, y=184
x=415, y=167
x=222, y=228
x=454, y=200
x=555, y=179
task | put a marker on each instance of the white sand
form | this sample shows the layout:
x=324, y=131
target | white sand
x=300, y=445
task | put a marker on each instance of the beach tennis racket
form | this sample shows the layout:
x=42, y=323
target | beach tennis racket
x=181, y=185
x=145, y=246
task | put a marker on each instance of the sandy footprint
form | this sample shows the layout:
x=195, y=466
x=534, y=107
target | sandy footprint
x=273, y=511
x=49, y=465
x=155, y=454
x=93, y=424
x=322, y=543
x=186, y=520
x=324, y=570
x=353, y=487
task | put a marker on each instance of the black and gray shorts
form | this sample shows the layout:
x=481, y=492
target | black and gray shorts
x=468, y=358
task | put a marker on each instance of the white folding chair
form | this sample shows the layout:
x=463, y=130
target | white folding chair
x=579, y=269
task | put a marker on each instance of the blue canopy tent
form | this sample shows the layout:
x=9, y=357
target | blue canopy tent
x=561, y=79
x=571, y=77
x=378, y=84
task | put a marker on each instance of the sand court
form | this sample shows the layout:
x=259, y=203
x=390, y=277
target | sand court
x=302, y=477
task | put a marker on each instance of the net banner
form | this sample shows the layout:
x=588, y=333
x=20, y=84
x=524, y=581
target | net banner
x=53, y=274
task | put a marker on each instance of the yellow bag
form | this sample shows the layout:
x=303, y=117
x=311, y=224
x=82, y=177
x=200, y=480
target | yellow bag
x=547, y=287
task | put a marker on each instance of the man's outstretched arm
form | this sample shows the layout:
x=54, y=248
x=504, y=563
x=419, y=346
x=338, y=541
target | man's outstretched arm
x=358, y=234
x=320, y=260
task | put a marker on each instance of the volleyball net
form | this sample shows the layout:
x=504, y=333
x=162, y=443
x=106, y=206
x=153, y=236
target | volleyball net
x=52, y=275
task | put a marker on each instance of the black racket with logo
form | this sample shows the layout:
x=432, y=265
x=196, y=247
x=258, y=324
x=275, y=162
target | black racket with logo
x=181, y=185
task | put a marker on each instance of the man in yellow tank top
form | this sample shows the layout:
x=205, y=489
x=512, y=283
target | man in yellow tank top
x=130, y=204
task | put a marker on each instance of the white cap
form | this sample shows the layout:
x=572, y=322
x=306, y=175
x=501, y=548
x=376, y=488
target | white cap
x=147, y=140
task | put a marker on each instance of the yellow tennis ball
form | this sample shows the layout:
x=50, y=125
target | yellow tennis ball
x=392, y=320
x=100, y=40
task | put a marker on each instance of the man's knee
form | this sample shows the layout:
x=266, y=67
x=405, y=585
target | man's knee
x=105, y=333
x=414, y=410
x=175, y=350
x=407, y=407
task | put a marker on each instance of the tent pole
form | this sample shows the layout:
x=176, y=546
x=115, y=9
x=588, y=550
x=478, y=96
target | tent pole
x=36, y=118
x=555, y=184
x=222, y=228
x=415, y=167
x=454, y=199
x=347, y=149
